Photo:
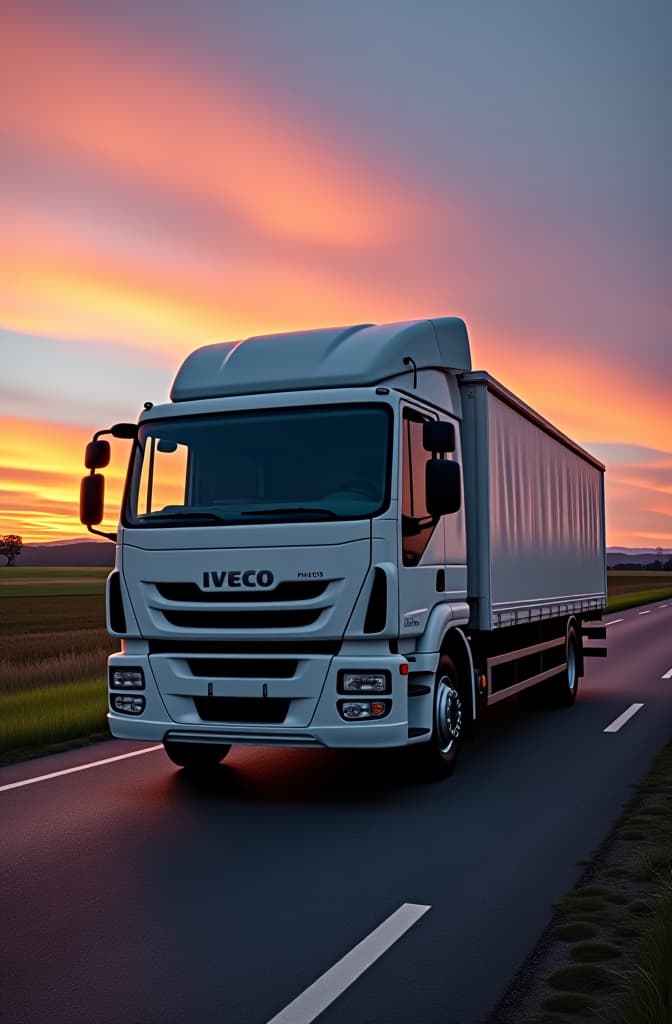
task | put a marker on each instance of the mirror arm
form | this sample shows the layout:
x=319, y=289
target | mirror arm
x=101, y=533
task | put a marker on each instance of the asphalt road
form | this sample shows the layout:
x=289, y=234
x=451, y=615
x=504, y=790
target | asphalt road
x=131, y=894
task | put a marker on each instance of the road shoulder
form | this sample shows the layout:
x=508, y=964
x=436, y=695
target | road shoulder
x=606, y=950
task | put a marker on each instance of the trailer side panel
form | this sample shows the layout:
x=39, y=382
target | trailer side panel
x=536, y=506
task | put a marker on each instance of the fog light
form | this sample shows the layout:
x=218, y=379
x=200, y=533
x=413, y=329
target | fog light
x=365, y=682
x=355, y=710
x=127, y=703
x=127, y=679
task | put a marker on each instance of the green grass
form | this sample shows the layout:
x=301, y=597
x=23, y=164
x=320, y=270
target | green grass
x=648, y=998
x=53, y=653
x=568, y=1002
x=581, y=978
x=18, y=572
x=53, y=581
x=51, y=714
x=50, y=590
x=631, y=589
x=625, y=582
x=52, y=640
x=623, y=601
x=593, y=952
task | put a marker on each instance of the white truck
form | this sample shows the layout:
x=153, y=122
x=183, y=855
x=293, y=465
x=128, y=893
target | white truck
x=344, y=538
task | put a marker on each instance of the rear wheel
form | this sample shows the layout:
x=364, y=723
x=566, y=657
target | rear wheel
x=195, y=756
x=439, y=755
x=564, y=688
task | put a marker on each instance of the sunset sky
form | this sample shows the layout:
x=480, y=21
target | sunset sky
x=174, y=174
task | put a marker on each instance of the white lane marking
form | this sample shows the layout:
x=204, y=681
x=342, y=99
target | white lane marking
x=613, y=622
x=668, y=674
x=619, y=722
x=80, y=768
x=332, y=983
x=647, y=612
x=663, y=606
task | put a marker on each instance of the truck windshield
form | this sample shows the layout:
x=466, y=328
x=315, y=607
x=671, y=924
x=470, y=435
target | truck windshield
x=296, y=465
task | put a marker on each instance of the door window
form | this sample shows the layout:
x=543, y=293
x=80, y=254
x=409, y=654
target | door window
x=416, y=524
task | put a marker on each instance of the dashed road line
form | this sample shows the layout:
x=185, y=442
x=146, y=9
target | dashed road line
x=619, y=722
x=668, y=674
x=79, y=768
x=613, y=622
x=647, y=612
x=311, y=1003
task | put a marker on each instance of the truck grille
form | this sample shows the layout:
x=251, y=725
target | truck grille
x=291, y=590
x=274, y=647
x=291, y=605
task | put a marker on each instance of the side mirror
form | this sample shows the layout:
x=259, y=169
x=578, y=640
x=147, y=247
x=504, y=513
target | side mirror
x=438, y=436
x=97, y=455
x=443, y=487
x=126, y=430
x=92, y=497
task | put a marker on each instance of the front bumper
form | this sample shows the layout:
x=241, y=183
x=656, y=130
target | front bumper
x=312, y=719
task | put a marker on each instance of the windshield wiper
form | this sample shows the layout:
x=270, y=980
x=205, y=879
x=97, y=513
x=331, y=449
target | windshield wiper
x=204, y=517
x=299, y=510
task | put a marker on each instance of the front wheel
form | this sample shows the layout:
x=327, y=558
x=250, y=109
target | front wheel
x=439, y=755
x=195, y=756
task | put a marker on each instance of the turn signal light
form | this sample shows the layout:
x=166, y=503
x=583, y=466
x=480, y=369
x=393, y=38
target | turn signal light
x=357, y=710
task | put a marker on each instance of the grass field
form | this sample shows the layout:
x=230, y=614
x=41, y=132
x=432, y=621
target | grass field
x=629, y=589
x=53, y=650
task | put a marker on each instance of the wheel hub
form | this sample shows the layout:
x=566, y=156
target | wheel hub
x=448, y=714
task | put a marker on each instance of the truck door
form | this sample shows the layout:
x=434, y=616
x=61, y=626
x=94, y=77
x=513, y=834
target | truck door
x=422, y=542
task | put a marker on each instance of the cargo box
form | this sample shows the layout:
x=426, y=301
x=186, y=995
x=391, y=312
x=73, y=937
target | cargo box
x=535, y=521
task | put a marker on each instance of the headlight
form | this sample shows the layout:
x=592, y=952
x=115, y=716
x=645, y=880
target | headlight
x=127, y=679
x=364, y=682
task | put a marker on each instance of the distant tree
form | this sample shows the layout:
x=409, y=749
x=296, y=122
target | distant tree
x=10, y=546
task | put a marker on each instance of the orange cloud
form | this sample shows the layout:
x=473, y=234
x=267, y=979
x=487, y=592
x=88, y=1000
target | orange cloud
x=147, y=119
x=584, y=395
x=61, y=287
x=42, y=464
x=251, y=206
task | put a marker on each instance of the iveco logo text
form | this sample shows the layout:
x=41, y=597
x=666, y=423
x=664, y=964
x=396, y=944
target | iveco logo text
x=238, y=578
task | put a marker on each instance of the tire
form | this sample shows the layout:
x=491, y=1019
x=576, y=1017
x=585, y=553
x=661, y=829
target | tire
x=564, y=688
x=439, y=755
x=195, y=756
